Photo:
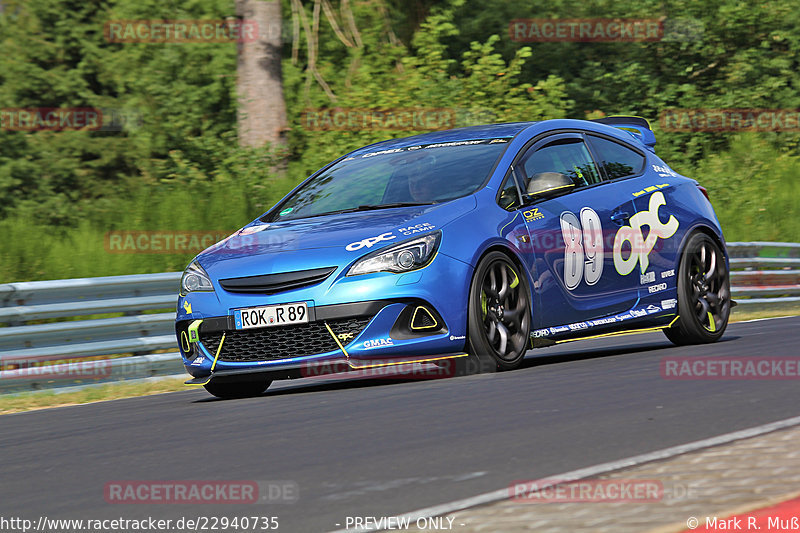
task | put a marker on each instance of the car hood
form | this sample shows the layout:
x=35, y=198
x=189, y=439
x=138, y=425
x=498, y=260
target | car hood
x=263, y=248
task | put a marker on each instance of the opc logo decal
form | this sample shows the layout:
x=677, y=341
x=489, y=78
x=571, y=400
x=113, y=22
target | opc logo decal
x=641, y=247
x=370, y=242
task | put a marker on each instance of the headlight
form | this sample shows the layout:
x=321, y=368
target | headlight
x=195, y=279
x=403, y=257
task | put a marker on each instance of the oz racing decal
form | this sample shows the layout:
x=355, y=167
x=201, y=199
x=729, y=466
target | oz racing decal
x=533, y=214
x=370, y=242
x=632, y=234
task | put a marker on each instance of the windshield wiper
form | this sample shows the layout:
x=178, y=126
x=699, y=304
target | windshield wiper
x=385, y=206
x=372, y=208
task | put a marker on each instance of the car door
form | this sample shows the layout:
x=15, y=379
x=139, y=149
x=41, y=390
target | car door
x=513, y=226
x=654, y=221
x=573, y=215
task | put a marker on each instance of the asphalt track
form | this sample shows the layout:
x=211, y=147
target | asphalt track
x=378, y=447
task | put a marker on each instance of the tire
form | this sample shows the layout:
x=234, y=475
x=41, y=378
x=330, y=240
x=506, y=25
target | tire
x=499, y=317
x=704, y=293
x=238, y=389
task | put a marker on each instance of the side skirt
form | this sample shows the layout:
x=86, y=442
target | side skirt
x=539, y=342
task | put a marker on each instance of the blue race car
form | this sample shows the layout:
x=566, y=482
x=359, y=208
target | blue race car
x=465, y=247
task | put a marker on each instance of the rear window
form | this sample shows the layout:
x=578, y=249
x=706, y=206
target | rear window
x=617, y=160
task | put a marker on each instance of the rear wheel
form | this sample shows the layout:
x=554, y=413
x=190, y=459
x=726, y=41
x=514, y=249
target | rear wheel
x=704, y=294
x=238, y=389
x=499, y=314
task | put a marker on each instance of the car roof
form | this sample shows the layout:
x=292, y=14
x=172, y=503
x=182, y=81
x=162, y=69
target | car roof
x=496, y=131
x=470, y=133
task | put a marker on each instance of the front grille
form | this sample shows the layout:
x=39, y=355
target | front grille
x=273, y=283
x=283, y=342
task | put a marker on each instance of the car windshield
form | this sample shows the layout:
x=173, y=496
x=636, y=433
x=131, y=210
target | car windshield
x=415, y=175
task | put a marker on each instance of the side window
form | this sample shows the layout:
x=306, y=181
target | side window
x=617, y=160
x=561, y=164
x=509, y=196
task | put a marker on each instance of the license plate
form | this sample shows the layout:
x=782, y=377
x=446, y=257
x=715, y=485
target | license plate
x=271, y=315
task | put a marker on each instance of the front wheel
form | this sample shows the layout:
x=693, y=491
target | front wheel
x=238, y=389
x=704, y=293
x=499, y=314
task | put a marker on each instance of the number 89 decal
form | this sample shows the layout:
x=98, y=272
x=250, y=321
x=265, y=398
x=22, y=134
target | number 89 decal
x=583, y=247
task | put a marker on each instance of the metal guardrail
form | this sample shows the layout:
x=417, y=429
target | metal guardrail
x=765, y=274
x=142, y=343
x=87, y=349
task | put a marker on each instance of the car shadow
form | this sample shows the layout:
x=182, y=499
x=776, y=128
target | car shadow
x=533, y=358
x=569, y=353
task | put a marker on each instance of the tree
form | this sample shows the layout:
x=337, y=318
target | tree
x=262, y=111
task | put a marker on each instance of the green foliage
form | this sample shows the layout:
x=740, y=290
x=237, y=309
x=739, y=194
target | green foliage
x=33, y=249
x=177, y=165
x=182, y=97
x=744, y=56
x=754, y=190
x=480, y=87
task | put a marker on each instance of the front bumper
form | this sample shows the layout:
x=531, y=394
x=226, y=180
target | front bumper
x=342, y=327
x=338, y=337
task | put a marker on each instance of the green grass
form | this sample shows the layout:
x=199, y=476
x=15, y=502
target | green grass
x=29, y=401
x=35, y=251
x=741, y=313
x=754, y=189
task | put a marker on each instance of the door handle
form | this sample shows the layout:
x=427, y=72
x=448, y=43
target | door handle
x=620, y=217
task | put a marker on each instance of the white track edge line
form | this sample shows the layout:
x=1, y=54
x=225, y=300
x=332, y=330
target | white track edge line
x=500, y=494
x=762, y=319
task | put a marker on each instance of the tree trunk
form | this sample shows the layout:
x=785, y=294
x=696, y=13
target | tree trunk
x=262, y=111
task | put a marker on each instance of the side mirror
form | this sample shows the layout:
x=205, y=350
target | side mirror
x=545, y=183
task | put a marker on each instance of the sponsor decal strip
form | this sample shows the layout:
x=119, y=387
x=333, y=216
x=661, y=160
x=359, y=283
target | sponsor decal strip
x=588, y=324
x=618, y=333
x=426, y=147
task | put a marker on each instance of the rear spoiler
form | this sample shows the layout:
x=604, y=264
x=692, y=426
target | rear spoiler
x=640, y=126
